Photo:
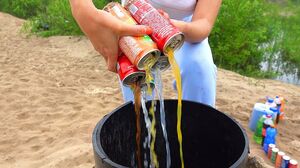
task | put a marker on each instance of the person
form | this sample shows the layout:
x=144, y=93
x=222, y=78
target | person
x=195, y=18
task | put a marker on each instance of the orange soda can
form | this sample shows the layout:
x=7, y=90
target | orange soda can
x=128, y=73
x=137, y=49
x=279, y=159
x=293, y=164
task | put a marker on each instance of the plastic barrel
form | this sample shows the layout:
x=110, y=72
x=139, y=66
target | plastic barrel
x=211, y=139
x=259, y=109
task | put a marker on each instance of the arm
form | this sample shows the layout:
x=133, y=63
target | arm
x=202, y=22
x=103, y=29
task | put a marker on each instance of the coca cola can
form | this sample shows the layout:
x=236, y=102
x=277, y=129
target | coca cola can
x=128, y=73
x=293, y=164
x=165, y=34
x=137, y=49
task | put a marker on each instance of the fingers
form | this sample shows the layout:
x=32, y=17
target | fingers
x=134, y=30
x=166, y=15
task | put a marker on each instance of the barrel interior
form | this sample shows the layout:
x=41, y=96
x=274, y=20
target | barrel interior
x=210, y=138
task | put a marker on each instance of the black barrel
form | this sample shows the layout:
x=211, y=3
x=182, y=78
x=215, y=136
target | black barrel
x=211, y=139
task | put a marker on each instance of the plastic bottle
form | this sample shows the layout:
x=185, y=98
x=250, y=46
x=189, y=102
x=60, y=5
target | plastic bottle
x=270, y=102
x=277, y=101
x=270, y=138
x=258, y=132
x=259, y=110
x=275, y=113
x=267, y=123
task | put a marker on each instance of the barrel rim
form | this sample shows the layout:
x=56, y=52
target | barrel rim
x=100, y=152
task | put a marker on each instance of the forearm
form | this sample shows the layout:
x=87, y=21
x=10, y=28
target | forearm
x=79, y=7
x=197, y=31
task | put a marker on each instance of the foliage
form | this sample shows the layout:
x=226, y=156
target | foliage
x=240, y=31
x=246, y=32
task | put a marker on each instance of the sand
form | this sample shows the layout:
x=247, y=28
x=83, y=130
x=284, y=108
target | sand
x=54, y=91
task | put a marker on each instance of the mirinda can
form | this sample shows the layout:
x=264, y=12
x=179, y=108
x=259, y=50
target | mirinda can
x=137, y=49
x=165, y=34
x=128, y=73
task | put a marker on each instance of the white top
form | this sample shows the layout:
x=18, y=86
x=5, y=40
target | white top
x=177, y=9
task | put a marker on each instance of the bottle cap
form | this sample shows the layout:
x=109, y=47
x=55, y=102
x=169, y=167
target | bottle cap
x=270, y=100
x=274, y=109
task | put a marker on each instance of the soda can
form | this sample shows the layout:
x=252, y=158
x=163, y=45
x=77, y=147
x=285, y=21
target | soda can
x=274, y=154
x=165, y=34
x=128, y=73
x=293, y=164
x=137, y=49
x=270, y=147
x=145, y=86
x=162, y=63
x=285, y=161
x=279, y=159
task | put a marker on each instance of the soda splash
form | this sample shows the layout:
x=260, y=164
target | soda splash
x=159, y=91
x=149, y=79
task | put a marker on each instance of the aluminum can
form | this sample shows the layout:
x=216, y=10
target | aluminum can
x=293, y=164
x=165, y=34
x=162, y=63
x=274, y=154
x=137, y=49
x=128, y=73
x=270, y=147
x=285, y=161
x=279, y=159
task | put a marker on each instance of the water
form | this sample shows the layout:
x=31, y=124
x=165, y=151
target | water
x=148, y=126
x=176, y=72
x=159, y=91
x=288, y=72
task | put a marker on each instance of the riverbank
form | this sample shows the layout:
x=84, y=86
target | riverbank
x=54, y=91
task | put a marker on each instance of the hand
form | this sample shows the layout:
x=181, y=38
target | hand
x=104, y=30
x=181, y=25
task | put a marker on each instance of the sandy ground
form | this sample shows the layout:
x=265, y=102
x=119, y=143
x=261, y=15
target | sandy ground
x=54, y=90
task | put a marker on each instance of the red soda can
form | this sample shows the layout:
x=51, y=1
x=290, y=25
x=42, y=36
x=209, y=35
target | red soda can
x=137, y=49
x=293, y=164
x=128, y=73
x=165, y=34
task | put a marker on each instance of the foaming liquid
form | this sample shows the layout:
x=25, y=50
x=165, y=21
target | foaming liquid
x=137, y=107
x=159, y=91
x=149, y=79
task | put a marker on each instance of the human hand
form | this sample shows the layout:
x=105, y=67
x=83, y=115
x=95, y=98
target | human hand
x=181, y=25
x=104, y=30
